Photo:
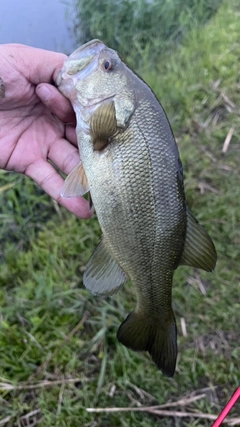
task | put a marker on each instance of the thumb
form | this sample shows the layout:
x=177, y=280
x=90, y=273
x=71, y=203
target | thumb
x=37, y=65
x=42, y=63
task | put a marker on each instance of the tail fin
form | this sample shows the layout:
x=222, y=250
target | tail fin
x=141, y=333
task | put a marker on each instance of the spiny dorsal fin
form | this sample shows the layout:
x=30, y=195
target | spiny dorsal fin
x=199, y=250
x=76, y=184
x=103, y=125
x=102, y=275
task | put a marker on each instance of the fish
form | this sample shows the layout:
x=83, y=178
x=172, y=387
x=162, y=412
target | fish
x=130, y=166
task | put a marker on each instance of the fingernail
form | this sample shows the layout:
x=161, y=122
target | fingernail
x=44, y=93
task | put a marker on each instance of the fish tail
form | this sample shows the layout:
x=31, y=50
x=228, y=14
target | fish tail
x=139, y=332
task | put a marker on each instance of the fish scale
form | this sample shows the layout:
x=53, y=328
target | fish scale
x=131, y=166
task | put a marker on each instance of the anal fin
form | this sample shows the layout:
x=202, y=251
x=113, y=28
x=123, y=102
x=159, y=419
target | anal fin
x=76, y=184
x=102, y=275
x=199, y=250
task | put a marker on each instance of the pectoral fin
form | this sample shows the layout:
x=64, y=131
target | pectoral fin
x=76, y=184
x=102, y=275
x=103, y=125
x=199, y=250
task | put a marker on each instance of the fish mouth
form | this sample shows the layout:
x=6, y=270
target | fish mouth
x=80, y=63
x=78, y=66
x=82, y=57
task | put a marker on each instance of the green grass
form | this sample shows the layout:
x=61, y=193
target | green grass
x=134, y=27
x=43, y=254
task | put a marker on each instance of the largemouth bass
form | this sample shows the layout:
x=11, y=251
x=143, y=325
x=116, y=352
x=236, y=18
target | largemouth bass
x=130, y=165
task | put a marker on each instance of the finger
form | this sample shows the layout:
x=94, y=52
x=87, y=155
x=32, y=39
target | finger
x=47, y=177
x=41, y=64
x=71, y=135
x=64, y=155
x=56, y=103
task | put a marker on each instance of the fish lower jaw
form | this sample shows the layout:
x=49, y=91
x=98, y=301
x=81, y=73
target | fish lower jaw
x=66, y=87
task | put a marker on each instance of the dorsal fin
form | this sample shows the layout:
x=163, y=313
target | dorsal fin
x=199, y=250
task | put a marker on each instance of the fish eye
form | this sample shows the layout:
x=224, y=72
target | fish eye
x=107, y=65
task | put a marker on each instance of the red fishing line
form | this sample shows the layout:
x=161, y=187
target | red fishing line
x=227, y=408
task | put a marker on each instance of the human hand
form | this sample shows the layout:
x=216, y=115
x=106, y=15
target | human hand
x=37, y=124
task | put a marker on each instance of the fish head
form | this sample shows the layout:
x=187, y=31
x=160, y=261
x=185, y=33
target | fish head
x=91, y=74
